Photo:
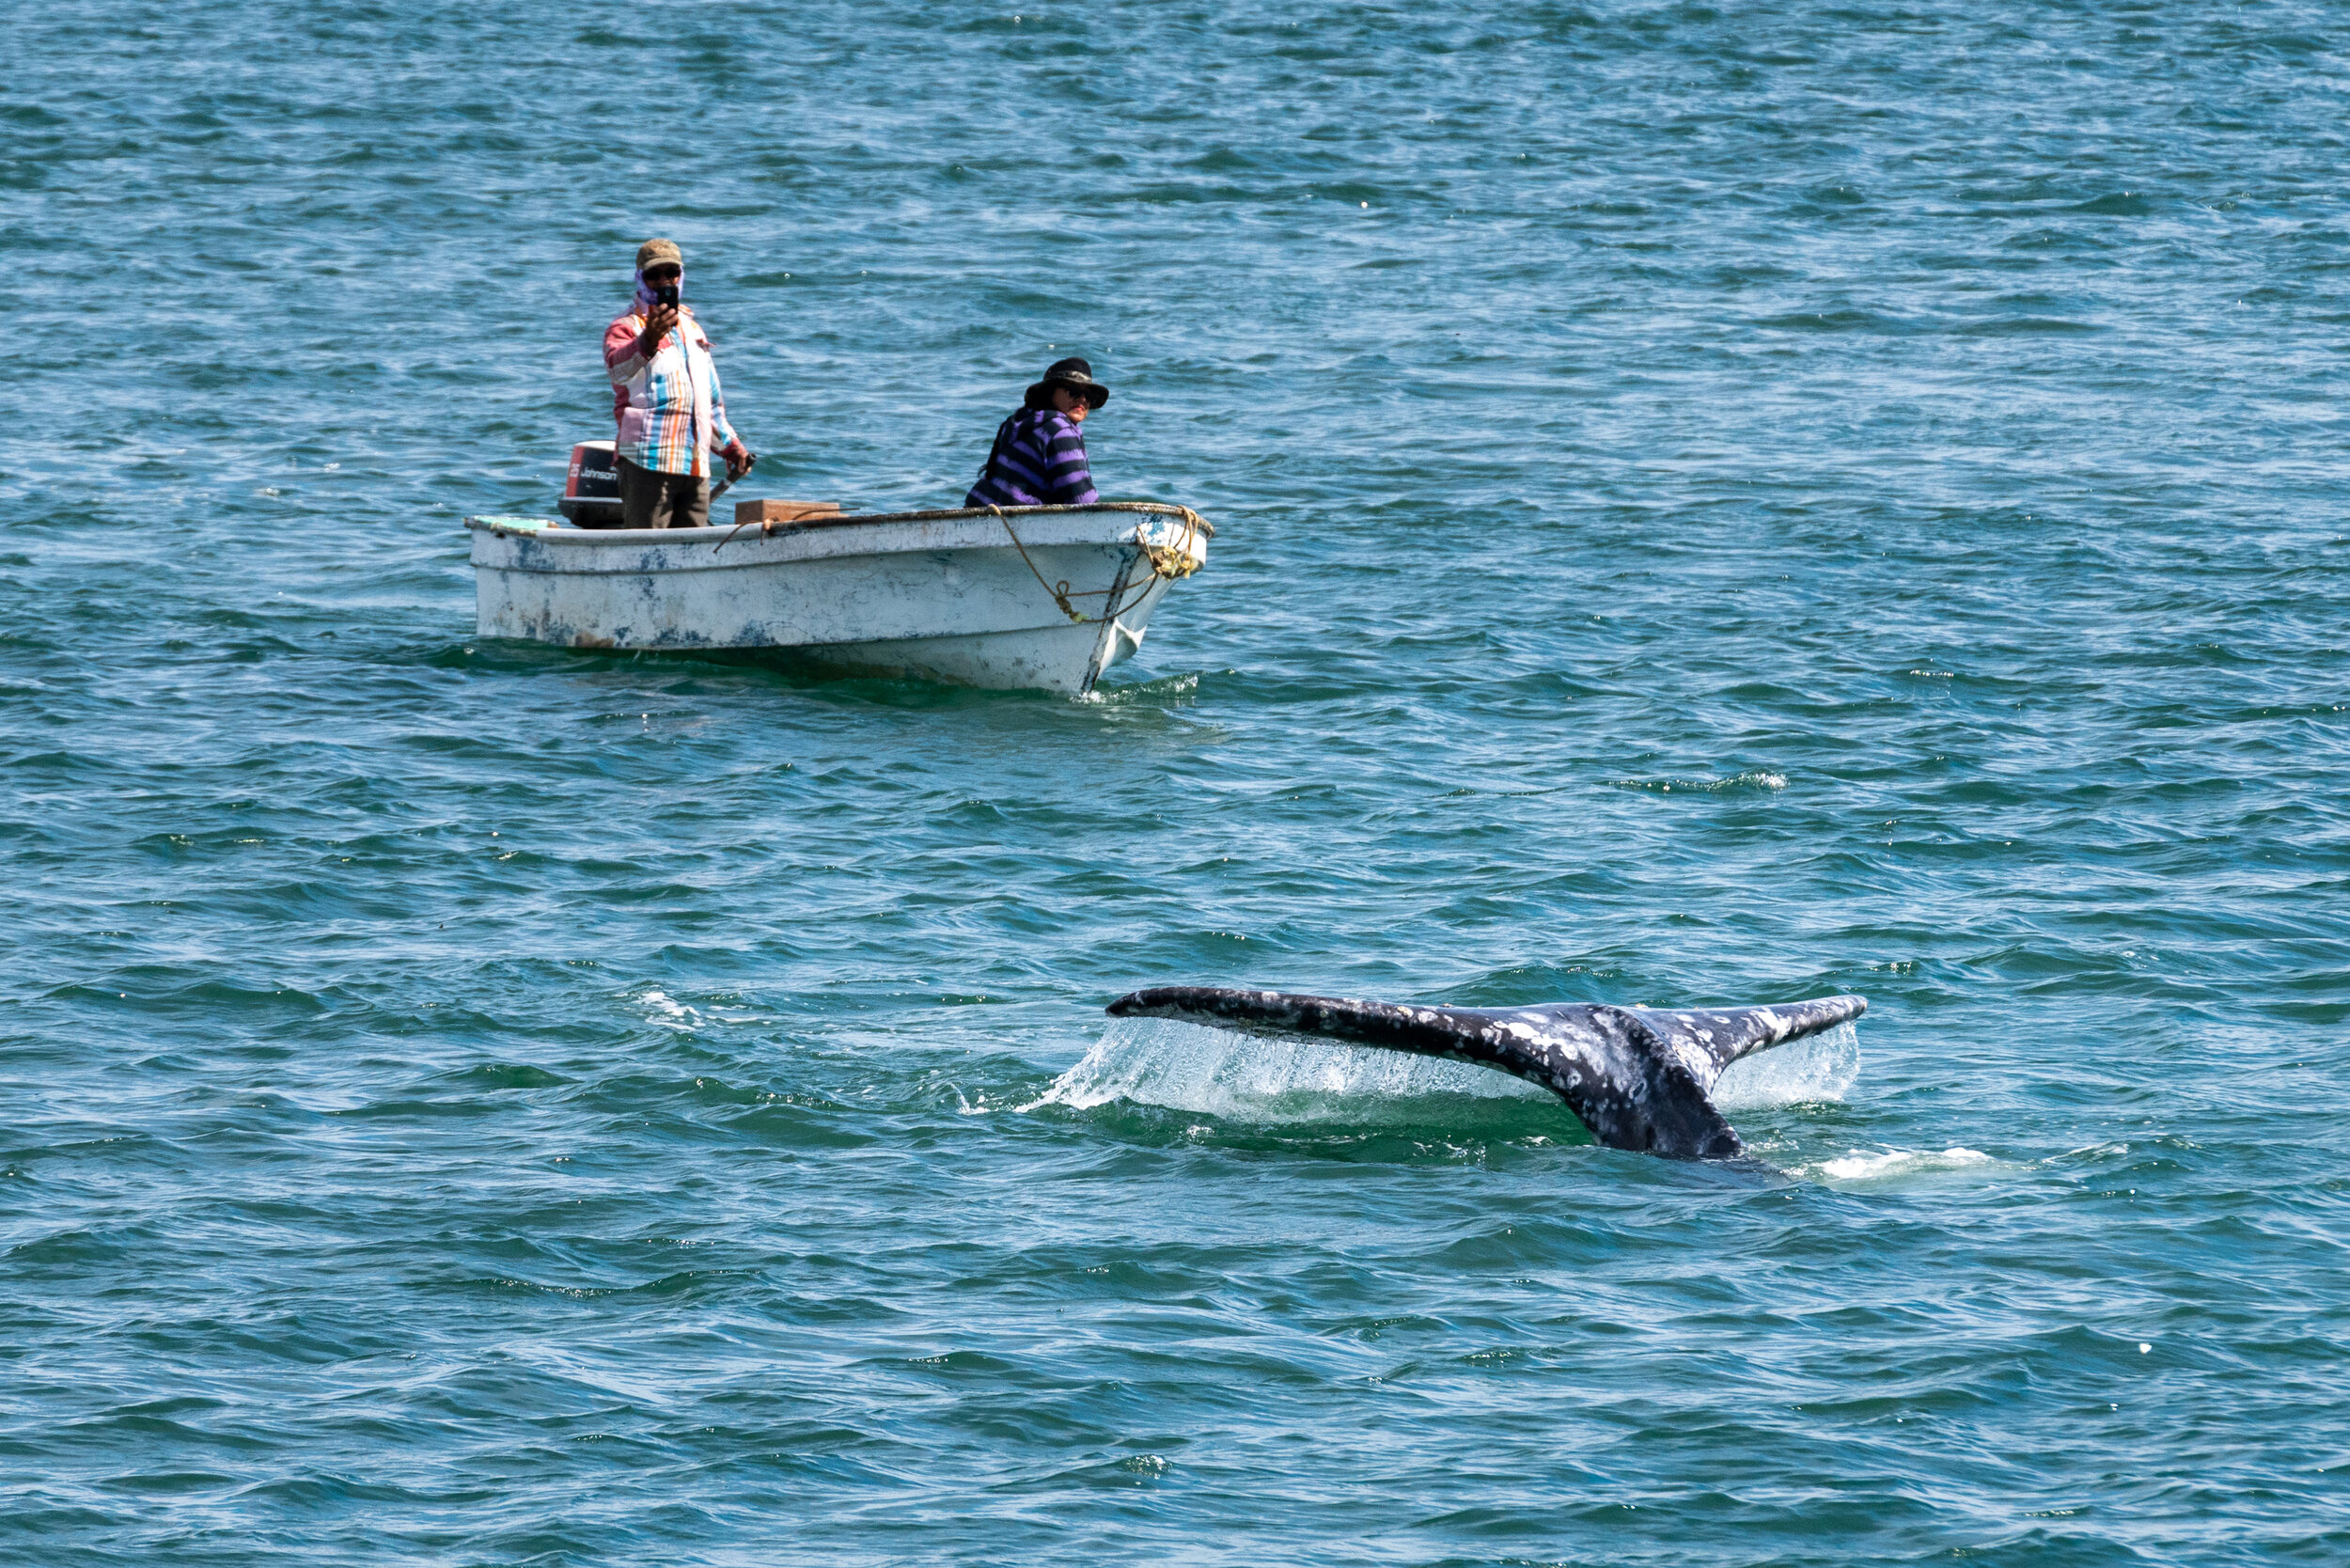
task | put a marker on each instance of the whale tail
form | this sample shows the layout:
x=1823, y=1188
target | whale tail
x=1637, y=1077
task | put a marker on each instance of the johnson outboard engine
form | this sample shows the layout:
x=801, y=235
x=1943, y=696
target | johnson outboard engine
x=591, y=495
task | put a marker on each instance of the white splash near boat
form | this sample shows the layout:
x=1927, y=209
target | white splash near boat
x=1045, y=597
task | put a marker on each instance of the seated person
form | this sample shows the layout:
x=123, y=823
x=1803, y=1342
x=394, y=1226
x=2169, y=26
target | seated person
x=1038, y=458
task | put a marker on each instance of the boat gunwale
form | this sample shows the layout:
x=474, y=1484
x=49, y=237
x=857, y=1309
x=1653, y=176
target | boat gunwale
x=575, y=535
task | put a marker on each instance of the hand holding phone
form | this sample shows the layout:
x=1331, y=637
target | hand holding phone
x=659, y=322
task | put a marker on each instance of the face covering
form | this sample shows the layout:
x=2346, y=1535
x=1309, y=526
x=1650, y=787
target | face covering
x=645, y=301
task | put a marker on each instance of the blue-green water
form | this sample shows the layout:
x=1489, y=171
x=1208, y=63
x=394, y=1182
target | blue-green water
x=1718, y=504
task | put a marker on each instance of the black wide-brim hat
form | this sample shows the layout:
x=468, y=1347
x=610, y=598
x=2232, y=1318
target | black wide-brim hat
x=1077, y=375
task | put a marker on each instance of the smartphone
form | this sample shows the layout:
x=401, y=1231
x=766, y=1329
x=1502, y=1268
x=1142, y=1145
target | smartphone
x=666, y=294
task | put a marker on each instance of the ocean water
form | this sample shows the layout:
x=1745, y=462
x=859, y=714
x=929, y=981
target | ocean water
x=1718, y=504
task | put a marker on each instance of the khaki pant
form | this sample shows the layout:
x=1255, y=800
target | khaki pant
x=653, y=500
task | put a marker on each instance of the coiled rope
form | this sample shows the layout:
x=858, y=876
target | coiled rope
x=1170, y=561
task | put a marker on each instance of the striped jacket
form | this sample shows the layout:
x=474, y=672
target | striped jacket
x=671, y=413
x=1039, y=460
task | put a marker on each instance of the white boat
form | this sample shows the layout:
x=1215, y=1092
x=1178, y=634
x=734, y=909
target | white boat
x=1045, y=597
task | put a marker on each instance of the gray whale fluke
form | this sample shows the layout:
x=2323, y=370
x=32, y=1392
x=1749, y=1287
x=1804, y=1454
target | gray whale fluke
x=1638, y=1076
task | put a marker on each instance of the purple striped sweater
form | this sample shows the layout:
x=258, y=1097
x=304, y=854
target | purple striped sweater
x=1039, y=460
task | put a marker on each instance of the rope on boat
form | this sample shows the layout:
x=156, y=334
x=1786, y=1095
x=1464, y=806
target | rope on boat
x=1060, y=594
x=1180, y=560
x=1170, y=561
x=765, y=529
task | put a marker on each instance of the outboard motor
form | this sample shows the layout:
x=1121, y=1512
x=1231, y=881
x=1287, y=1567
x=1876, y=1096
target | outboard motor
x=592, y=494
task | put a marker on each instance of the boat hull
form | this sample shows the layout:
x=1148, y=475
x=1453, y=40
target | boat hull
x=947, y=595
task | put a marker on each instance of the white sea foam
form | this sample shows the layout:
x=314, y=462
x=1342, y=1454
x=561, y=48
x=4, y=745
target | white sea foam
x=1241, y=1077
x=660, y=1008
x=1165, y=688
x=1895, y=1163
x=1753, y=778
x=666, y=1011
x=1819, y=1067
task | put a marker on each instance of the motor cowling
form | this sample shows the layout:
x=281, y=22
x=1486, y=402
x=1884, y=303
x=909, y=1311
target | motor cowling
x=591, y=490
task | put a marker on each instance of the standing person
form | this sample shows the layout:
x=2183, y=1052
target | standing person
x=1038, y=458
x=664, y=393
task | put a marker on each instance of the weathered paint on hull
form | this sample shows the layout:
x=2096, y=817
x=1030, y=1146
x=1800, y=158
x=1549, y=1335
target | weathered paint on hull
x=940, y=594
x=1039, y=660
